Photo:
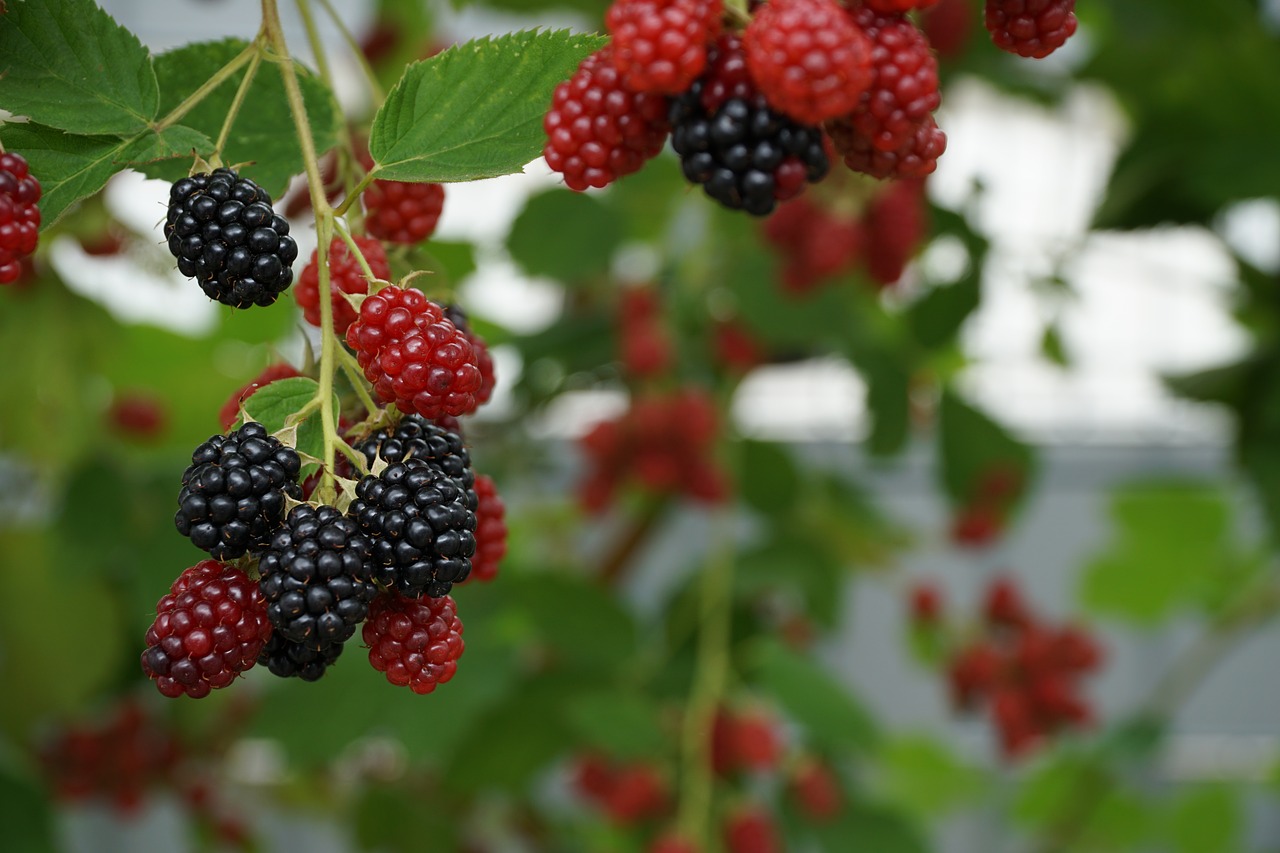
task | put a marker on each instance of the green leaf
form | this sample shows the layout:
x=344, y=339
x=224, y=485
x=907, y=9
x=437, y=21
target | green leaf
x=1051, y=347
x=73, y=167
x=871, y=828
x=574, y=616
x=476, y=109
x=394, y=817
x=565, y=235
x=273, y=404
x=263, y=135
x=796, y=563
x=1207, y=819
x=67, y=64
x=769, y=479
x=26, y=816
x=813, y=698
x=1170, y=538
x=624, y=725
x=972, y=446
x=922, y=775
x=889, y=403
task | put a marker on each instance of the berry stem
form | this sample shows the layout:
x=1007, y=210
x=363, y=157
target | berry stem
x=375, y=88
x=219, y=77
x=351, y=197
x=324, y=215
x=624, y=548
x=236, y=103
x=709, y=679
x=352, y=370
x=357, y=253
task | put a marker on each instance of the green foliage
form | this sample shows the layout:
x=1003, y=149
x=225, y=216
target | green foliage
x=870, y=827
x=770, y=483
x=262, y=137
x=474, y=110
x=623, y=725
x=565, y=235
x=971, y=445
x=68, y=65
x=831, y=716
x=1207, y=819
x=26, y=816
x=274, y=406
x=1171, y=540
x=923, y=776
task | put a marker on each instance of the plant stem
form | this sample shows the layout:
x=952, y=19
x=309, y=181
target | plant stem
x=375, y=88
x=355, y=192
x=219, y=77
x=238, y=102
x=709, y=679
x=357, y=382
x=324, y=227
x=357, y=253
x=619, y=556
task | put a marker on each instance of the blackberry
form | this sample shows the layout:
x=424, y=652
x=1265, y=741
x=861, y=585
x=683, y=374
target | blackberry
x=232, y=497
x=745, y=154
x=415, y=437
x=315, y=578
x=295, y=660
x=223, y=232
x=422, y=532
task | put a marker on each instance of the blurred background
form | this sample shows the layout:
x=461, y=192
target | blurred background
x=982, y=556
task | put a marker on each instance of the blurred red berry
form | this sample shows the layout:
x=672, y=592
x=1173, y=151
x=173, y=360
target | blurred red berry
x=817, y=791
x=138, y=415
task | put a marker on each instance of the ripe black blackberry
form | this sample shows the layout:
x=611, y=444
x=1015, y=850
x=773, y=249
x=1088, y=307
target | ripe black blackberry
x=294, y=660
x=232, y=497
x=415, y=437
x=225, y=235
x=421, y=529
x=316, y=577
x=746, y=155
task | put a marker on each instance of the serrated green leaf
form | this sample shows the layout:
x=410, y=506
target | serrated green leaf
x=73, y=167
x=565, y=235
x=67, y=64
x=263, y=135
x=624, y=725
x=812, y=697
x=474, y=110
x=273, y=404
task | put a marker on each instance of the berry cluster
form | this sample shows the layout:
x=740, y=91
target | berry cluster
x=416, y=643
x=981, y=519
x=491, y=530
x=662, y=442
x=645, y=346
x=414, y=355
x=484, y=361
x=1026, y=671
x=752, y=113
x=400, y=212
x=224, y=234
x=116, y=759
x=19, y=215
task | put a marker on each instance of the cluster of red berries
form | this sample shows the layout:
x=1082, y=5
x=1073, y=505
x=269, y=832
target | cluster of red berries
x=645, y=344
x=744, y=742
x=983, y=517
x=626, y=793
x=19, y=215
x=748, y=112
x=816, y=243
x=117, y=759
x=1024, y=670
x=663, y=442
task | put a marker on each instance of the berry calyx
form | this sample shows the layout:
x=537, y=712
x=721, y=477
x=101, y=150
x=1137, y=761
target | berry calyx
x=19, y=215
x=232, y=497
x=414, y=355
x=224, y=234
x=660, y=46
x=316, y=577
x=1030, y=28
x=808, y=59
x=597, y=129
x=345, y=276
x=416, y=643
x=402, y=212
x=210, y=627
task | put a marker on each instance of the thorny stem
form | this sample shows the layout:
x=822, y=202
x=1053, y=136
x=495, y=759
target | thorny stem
x=274, y=35
x=709, y=679
x=219, y=77
x=238, y=102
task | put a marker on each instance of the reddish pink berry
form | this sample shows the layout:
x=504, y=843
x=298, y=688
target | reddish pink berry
x=401, y=212
x=1031, y=28
x=416, y=642
x=660, y=46
x=491, y=530
x=817, y=791
x=19, y=215
x=345, y=276
x=904, y=88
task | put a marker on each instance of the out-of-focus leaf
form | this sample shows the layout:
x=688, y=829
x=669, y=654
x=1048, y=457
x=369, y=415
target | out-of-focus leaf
x=26, y=816
x=1207, y=819
x=922, y=775
x=575, y=617
x=867, y=827
x=396, y=818
x=624, y=725
x=889, y=404
x=812, y=697
x=769, y=483
x=972, y=446
x=795, y=564
x=565, y=235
